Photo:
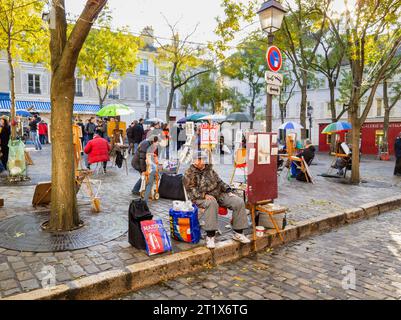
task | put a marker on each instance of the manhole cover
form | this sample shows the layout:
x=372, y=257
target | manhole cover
x=24, y=233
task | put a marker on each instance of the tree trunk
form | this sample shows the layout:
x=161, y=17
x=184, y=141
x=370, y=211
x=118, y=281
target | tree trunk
x=282, y=111
x=333, y=113
x=64, y=56
x=356, y=136
x=64, y=213
x=170, y=104
x=12, y=90
x=387, y=109
x=302, y=115
x=252, y=108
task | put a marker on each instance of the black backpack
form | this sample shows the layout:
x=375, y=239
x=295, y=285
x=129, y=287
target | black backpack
x=138, y=211
x=119, y=159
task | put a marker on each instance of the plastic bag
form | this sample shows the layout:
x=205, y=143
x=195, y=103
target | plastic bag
x=16, y=158
x=156, y=238
x=185, y=225
x=185, y=206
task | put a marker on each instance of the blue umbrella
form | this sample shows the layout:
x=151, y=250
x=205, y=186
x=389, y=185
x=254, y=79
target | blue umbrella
x=182, y=121
x=24, y=113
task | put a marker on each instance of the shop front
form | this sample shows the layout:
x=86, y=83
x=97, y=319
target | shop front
x=372, y=136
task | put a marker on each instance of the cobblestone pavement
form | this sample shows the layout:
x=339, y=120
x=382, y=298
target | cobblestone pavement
x=313, y=269
x=21, y=271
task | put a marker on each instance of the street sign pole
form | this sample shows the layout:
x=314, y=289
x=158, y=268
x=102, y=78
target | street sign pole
x=269, y=102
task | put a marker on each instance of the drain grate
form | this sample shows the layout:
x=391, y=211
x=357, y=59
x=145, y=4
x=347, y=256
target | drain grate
x=24, y=233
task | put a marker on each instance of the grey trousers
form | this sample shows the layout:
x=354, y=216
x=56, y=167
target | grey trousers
x=233, y=202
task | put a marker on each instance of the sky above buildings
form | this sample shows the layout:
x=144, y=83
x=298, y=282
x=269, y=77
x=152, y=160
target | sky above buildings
x=138, y=14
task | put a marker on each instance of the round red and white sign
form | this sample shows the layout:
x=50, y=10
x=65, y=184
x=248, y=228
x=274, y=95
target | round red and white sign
x=274, y=58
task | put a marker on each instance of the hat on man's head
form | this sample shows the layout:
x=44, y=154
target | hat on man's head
x=200, y=155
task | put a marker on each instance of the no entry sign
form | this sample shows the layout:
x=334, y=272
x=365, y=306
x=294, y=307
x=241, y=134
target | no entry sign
x=274, y=58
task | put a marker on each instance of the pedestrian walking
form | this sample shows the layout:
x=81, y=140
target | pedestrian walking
x=138, y=134
x=397, y=151
x=33, y=127
x=145, y=162
x=130, y=137
x=90, y=128
x=182, y=137
x=43, y=131
x=166, y=139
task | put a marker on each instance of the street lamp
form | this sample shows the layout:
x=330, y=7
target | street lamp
x=271, y=16
x=147, y=109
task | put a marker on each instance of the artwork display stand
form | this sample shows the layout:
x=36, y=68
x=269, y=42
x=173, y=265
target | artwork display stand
x=262, y=154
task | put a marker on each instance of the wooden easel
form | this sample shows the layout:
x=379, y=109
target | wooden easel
x=239, y=163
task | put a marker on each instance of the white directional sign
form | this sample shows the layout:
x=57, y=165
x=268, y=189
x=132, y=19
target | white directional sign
x=273, y=90
x=274, y=79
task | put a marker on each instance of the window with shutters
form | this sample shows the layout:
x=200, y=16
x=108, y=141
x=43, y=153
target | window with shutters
x=114, y=93
x=144, y=68
x=144, y=92
x=34, y=84
x=79, y=87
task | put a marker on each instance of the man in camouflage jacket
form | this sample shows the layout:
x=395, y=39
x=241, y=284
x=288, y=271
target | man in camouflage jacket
x=205, y=189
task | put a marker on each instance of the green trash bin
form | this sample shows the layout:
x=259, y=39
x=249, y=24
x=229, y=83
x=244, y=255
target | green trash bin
x=16, y=158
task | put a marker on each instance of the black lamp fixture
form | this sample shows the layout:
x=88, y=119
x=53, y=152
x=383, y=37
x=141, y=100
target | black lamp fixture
x=271, y=16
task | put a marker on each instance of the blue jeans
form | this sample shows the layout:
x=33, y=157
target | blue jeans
x=136, y=145
x=149, y=185
x=36, y=141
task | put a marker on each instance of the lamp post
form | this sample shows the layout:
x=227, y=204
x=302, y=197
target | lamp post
x=271, y=16
x=147, y=109
x=310, y=114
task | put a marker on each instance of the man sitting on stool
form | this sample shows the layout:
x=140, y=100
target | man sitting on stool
x=208, y=191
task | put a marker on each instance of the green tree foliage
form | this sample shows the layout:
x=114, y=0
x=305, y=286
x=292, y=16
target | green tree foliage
x=208, y=90
x=20, y=34
x=180, y=62
x=248, y=65
x=372, y=39
x=235, y=13
x=108, y=55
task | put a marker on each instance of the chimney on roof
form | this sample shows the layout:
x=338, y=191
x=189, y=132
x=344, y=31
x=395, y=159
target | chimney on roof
x=147, y=35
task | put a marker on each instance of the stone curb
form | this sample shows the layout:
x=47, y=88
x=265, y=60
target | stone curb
x=118, y=282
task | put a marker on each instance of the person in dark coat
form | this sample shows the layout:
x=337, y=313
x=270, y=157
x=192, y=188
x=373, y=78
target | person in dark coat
x=397, y=151
x=5, y=134
x=90, y=128
x=138, y=134
x=144, y=156
x=130, y=137
x=308, y=154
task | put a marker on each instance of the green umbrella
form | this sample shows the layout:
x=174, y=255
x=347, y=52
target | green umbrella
x=195, y=117
x=114, y=110
x=239, y=117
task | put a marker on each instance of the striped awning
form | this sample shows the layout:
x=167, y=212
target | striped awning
x=45, y=107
